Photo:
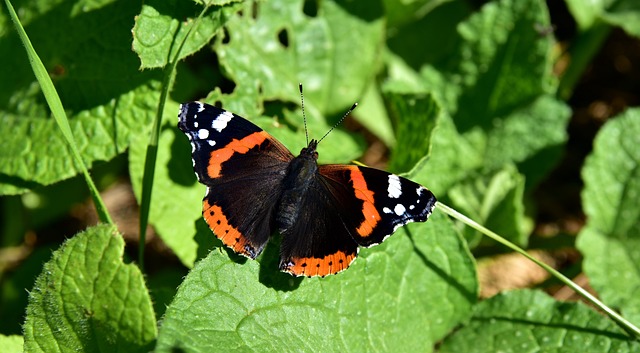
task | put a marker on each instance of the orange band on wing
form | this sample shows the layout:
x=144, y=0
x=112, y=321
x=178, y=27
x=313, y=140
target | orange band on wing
x=312, y=266
x=229, y=235
x=243, y=146
x=371, y=215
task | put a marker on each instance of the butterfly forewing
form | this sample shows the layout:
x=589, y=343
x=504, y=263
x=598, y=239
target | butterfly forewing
x=242, y=167
x=375, y=203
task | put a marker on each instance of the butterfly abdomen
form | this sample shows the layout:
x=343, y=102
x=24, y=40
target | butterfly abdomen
x=301, y=174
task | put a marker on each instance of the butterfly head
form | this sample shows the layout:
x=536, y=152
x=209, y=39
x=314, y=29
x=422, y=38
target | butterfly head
x=310, y=151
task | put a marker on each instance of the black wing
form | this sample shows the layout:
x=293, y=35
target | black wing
x=242, y=167
x=373, y=203
x=318, y=243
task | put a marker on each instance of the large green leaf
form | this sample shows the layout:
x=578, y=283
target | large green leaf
x=86, y=47
x=275, y=45
x=162, y=25
x=88, y=299
x=496, y=87
x=610, y=241
x=403, y=295
x=531, y=321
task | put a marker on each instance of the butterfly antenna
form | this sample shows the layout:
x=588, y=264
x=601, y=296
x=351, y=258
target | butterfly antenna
x=304, y=116
x=339, y=121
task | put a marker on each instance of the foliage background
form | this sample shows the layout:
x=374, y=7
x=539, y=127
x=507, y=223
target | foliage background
x=494, y=106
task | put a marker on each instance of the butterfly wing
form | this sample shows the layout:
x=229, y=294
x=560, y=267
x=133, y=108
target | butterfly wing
x=242, y=167
x=373, y=203
x=344, y=207
x=318, y=243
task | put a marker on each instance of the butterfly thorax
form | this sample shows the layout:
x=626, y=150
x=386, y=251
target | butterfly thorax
x=301, y=174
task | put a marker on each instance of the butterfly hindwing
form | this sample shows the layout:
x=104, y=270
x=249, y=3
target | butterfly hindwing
x=242, y=167
x=317, y=243
x=374, y=203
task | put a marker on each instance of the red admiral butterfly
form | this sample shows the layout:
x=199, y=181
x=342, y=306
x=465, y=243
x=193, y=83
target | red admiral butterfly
x=324, y=213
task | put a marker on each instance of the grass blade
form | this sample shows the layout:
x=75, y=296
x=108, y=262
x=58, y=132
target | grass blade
x=53, y=100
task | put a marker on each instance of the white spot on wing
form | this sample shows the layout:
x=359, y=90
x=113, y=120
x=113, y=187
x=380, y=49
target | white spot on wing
x=200, y=107
x=386, y=210
x=394, y=189
x=419, y=190
x=203, y=134
x=221, y=121
x=399, y=210
x=211, y=143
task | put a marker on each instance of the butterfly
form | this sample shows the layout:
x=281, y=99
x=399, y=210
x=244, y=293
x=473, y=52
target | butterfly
x=324, y=213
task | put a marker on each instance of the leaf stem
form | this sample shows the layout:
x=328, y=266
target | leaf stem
x=581, y=53
x=152, y=148
x=59, y=115
x=628, y=326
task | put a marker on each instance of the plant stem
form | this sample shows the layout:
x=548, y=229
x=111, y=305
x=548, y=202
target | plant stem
x=152, y=148
x=628, y=326
x=581, y=52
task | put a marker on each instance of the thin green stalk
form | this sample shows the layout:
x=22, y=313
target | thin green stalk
x=628, y=326
x=581, y=53
x=152, y=148
x=53, y=100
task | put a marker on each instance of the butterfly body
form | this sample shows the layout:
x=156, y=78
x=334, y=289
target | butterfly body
x=301, y=175
x=255, y=186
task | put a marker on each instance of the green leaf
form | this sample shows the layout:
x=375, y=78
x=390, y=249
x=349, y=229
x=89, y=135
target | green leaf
x=275, y=45
x=495, y=120
x=107, y=99
x=403, y=295
x=531, y=321
x=88, y=299
x=162, y=25
x=496, y=202
x=372, y=114
x=622, y=13
x=500, y=64
x=496, y=87
x=11, y=344
x=610, y=241
x=430, y=34
x=399, y=12
x=415, y=118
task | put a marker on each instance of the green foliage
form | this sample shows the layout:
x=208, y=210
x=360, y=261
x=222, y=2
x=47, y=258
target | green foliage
x=624, y=13
x=11, y=344
x=530, y=321
x=610, y=241
x=465, y=99
x=388, y=298
x=88, y=299
x=108, y=100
